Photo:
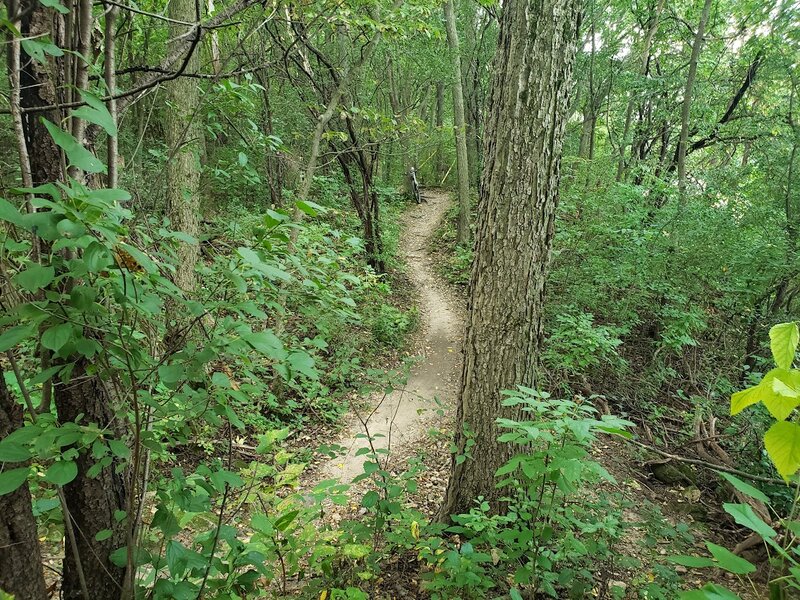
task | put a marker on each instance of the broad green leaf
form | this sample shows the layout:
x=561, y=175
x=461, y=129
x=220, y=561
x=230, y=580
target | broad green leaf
x=783, y=339
x=54, y=338
x=119, y=449
x=77, y=155
x=103, y=534
x=370, y=499
x=694, y=562
x=39, y=48
x=177, y=558
x=745, y=488
x=782, y=442
x=171, y=374
x=728, y=561
x=11, y=479
x=710, y=591
x=35, y=277
x=11, y=451
x=310, y=208
x=744, y=515
x=95, y=113
x=61, y=472
x=11, y=337
x=302, y=362
x=745, y=398
x=9, y=212
x=56, y=5
x=97, y=257
x=267, y=343
x=779, y=391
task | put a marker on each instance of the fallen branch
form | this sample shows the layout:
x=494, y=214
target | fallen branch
x=710, y=465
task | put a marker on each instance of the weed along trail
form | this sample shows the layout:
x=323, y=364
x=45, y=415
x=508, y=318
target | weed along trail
x=401, y=418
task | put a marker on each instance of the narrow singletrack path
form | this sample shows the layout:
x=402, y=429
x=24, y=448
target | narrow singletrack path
x=400, y=419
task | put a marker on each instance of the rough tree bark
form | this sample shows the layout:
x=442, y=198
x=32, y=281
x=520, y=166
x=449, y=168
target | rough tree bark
x=20, y=559
x=460, y=127
x=92, y=501
x=524, y=135
x=183, y=137
x=687, y=96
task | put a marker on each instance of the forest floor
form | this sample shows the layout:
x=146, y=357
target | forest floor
x=415, y=422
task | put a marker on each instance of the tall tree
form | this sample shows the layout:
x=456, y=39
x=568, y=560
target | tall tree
x=523, y=141
x=460, y=124
x=697, y=45
x=183, y=136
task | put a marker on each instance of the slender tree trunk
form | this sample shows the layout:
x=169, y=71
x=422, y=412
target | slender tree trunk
x=643, y=71
x=460, y=128
x=687, y=96
x=109, y=68
x=523, y=142
x=399, y=115
x=183, y=137
x=439, y=124
x=21, y=572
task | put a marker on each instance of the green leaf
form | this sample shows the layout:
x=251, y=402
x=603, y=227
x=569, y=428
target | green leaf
x=119, y=449
x=171, y=374
x=694, y=562
x=745, y=398
x=61, y=472
x=35, y=277
x=55, y=4
x=267, y=343
x=782, y=442
x=783, y=339
x=286, y=519
x=103, y=534
x=12, y=451
x=11, y=337
x=729, y=561
x=10, y=480
x=77, y=155
x=97, y=257
x=54, y=338
x=745, y=488
x=95, y=113
x=370, y=499
x=779, y=391
x=710, y=591
x=310, y=208
x=744, y=515
x=302, y=362
x=10, y=213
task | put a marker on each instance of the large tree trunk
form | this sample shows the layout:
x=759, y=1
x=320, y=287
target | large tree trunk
x=20, y=559
x=92, y=501
x=687, y=96
x=183, y=137
x=523, y=142
x=460, y=126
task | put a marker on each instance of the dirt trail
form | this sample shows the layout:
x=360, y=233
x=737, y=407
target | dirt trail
x=403, y=417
